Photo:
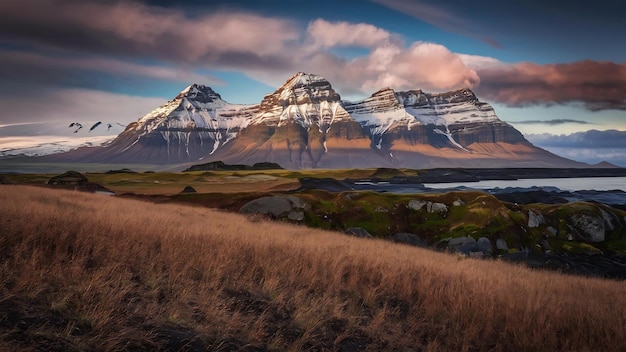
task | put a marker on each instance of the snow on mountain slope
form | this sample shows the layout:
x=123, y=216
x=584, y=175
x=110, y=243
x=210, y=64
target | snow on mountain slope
x=306, y=99
x=199, y=109
x=45, y=145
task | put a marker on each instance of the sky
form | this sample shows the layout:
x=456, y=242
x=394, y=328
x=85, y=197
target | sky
x=556, y=71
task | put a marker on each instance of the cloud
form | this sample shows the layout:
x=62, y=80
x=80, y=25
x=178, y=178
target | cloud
x=111, y=37
x=598, y=85
x=591, y=146
x=589, y=139
x=32, y=66
x=139, y=30
x=439, y=16
x=553, y=122
x=324, y=34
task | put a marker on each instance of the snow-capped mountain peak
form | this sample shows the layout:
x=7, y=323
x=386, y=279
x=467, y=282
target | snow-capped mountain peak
x=307, y=99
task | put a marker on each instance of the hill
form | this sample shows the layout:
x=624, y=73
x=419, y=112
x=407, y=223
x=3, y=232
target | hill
x=91, y=272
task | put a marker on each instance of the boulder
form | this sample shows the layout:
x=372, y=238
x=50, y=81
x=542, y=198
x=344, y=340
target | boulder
x=535, y=218
x=501, y=244
x=431, y=207
x=380, y=209
x=277, y=206
x=458, y=203
x=484, y=245
x=589, y=228
x=416, y=204
x=437, y=208
x=359, y=232
x=3, y=181
x=408, y=238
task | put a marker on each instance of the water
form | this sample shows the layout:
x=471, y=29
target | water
x=564, y=184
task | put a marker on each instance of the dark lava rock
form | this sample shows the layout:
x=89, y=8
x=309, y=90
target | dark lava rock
x=221, y=166
x=68, y=178
x=121, y=171
x=189, y=189
x=266, y=166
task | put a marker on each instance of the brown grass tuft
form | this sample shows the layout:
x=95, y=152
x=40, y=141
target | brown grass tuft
x=89, y=272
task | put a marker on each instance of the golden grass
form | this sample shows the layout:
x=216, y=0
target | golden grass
x=89, y=272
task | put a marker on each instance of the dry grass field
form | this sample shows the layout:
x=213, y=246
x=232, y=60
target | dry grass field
x=89, y=272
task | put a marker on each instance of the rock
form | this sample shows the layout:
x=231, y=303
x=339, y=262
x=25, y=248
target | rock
x=467, y=248
x=408, y=238
x=611, y=221
x=459, y=241
x=458, y=203
x=501, y=244
x=3, y=181
x=296, y=215
x=534, y=218
x=484, y=245
x=416, y=204
x=589, y=228
x=464, y=245
x=188, y=189
x=552, y=230
x=437, y=208
x=276, y=206
x=380, y=209
x=359, y=232
x=69, y=178
x=121, y=171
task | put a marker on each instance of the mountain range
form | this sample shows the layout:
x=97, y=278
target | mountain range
x=306, y=124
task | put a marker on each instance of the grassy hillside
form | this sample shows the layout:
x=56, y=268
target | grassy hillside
x=89, y=272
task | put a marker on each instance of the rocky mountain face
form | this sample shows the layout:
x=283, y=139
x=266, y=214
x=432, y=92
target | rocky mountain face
x=305, y=124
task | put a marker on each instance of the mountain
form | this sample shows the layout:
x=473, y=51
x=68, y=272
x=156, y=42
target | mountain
x=305, y=124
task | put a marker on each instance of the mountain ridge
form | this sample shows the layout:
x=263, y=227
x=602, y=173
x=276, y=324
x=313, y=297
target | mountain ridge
x=305, y=124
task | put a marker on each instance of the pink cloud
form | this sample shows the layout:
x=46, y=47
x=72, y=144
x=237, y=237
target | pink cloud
x=325, y=34
x=599, y=85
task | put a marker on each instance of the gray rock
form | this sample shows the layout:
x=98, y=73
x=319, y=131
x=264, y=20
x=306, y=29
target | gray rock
x=296, y=216
x=408, y=238
x=359, y=232
x=610, y=219
x=298, y=203
x=416, y=204
x=436, y=208
x=590, y=228
x=484, y=245
x=466, y=248
x=535, y=218
x=501, y=244
x=458, y=203
x=276, y=206
x=380, y=209
x=459, y=241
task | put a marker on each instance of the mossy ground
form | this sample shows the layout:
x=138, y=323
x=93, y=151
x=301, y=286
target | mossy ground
x=475, y=214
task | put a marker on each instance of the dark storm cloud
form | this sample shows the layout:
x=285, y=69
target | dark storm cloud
x=139, y=30
x=550, y=122
x=598, y=85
